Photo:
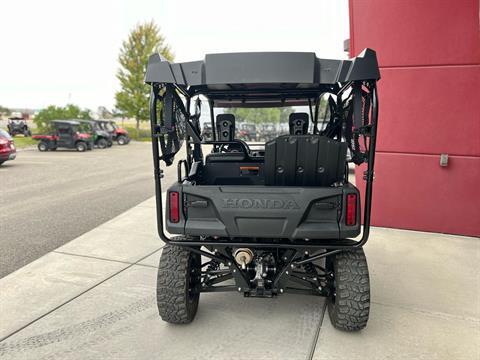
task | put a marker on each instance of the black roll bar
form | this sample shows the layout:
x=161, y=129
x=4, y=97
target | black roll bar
x=328, y=243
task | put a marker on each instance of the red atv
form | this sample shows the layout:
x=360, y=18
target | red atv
x=119, y=134
x=66, y=134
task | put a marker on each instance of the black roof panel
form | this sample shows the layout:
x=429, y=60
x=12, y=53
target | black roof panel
x=267, y=69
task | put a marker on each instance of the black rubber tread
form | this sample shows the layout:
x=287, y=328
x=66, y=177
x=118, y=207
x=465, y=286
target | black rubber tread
x=174, y=303
x=39, y=146
x=102, y=143
x=350, y=308
x=81, y=146
x=121, y=140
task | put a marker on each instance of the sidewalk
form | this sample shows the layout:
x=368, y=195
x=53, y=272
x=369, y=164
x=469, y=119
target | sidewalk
x=94, y=298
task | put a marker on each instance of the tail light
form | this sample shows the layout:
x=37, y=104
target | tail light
x=351, y=218
x=174, y=206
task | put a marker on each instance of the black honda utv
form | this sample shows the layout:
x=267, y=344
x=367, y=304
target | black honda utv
x=277, y=219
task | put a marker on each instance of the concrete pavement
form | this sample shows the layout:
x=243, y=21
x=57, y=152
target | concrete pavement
x=94, y=298
x=48, y=199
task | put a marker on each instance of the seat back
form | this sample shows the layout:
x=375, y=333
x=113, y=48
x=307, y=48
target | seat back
x=304, y=160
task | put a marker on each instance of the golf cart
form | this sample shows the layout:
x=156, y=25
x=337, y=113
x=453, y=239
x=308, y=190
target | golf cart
x=277, y=220
x=67, y=134
x=18, y=125
x=119, y=134
x=101, y=138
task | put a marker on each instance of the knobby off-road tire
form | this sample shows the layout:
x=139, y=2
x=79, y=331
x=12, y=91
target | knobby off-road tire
x=349, y=302
x=42, y=146
x=121, y=140
x=178, y=274
x=81, y=146
x=102, y=143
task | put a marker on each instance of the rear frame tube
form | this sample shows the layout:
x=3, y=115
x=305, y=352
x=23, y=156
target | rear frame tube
x=328, y=244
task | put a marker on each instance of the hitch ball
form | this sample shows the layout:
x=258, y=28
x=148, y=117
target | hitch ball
x=243, y=257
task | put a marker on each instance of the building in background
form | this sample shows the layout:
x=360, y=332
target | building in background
x=429, y=55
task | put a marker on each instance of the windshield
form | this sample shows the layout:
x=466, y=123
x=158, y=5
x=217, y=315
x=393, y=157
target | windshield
x=109, y=127
x=85, y=127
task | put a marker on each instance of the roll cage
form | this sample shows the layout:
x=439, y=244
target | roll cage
x=263, y=80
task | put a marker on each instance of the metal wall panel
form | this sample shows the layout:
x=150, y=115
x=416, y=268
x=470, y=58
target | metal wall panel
x=430, y=110
x=429, y=56
x=414, y=192
x=417, y=32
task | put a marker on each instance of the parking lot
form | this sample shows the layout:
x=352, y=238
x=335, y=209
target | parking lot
x=48, y=199
x=94, y=298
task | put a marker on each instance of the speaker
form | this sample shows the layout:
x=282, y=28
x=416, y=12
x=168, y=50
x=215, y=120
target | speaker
x=298, y=123
x=225, y=127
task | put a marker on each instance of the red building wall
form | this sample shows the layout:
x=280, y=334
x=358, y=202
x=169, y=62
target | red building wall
x=429, y=57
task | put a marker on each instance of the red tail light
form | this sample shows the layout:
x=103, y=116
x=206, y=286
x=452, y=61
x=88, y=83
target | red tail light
x=174, y=205
x=351, y=218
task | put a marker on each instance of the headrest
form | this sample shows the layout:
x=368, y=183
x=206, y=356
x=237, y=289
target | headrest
x=225, y=127
x=298, y=123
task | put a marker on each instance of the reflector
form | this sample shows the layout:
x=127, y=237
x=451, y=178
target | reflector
x=351, y=218
x=174, y=205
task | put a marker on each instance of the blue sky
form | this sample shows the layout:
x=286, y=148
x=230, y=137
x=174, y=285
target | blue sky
x=55, y=52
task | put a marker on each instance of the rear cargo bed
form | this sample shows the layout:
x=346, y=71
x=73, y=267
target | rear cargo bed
x=264, y=211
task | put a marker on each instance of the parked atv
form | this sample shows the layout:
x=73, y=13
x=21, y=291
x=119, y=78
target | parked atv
x=67, y=134
x=265, y=223
x=207, y=131
x=101, y=138
x=18, y=126
x=247, y=131
x=119, y=134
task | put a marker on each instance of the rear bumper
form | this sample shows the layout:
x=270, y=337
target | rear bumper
x=263, y=212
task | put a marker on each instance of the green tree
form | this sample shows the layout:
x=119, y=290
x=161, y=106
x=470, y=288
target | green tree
x=4, y=110
x=275, y=115
x=143, y=41
x=52, y=112
x=260, y=115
